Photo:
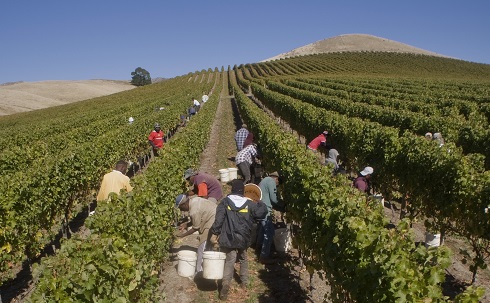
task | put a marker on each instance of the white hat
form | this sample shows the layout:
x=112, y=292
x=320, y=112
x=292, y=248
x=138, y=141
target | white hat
x=368, y=170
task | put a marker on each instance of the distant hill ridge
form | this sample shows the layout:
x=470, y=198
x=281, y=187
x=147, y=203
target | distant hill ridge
x=353, y=43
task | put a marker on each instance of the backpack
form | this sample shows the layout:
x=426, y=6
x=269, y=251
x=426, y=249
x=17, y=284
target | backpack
x=237, y=228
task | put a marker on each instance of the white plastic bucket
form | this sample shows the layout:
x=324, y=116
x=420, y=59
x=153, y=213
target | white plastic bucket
x=187, y=263
x=223, y=175
x=432, y=240
x=282, y=239
x=213, y=264
x=233, y=173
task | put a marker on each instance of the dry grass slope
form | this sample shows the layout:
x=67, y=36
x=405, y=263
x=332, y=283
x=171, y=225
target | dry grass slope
x=353, y=43
x=27, y=96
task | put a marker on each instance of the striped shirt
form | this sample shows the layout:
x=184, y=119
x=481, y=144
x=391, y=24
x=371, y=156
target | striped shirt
x=240, y=137
x=246, y=154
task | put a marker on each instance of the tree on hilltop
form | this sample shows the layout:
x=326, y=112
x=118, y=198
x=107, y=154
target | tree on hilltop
x=140, y=77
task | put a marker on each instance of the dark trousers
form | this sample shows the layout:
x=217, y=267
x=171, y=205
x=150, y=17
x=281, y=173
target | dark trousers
x=231, y=257
x=244, y=168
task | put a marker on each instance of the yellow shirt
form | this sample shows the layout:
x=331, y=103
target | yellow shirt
x=113, y=182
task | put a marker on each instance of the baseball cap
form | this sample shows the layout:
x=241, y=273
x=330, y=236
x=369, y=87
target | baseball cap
x=368, y=170
x=180, y=199
x=188, y=173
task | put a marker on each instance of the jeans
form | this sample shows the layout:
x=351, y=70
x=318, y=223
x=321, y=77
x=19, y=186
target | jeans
x=265, y=236
x=231, y=256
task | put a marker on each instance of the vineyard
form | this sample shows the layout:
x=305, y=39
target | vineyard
x=378, y=107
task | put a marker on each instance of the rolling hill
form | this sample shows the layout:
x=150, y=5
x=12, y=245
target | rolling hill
x=26, y=96
x=353, y=43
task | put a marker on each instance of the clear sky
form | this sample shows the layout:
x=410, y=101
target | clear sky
x=108, y=39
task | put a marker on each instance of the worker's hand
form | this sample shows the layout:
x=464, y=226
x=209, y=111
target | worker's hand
x=214, y=241
x=190, y=193
x=182, y=226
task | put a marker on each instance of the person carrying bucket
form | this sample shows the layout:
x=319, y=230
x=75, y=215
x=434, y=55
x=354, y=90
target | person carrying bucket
x=232, y=231
x=202, y=213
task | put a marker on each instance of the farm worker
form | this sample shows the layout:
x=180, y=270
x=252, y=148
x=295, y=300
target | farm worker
x=204, y=98
x=332, y=159
x=249, y=140
x=232, y=230
x=438, y=138
x=204, y=185
x=244, y=160
x=428, y=136
x=196, y=104
x=183, y=120
x=131, y=120
x=115, y=181
x=202, y=213
x=320, y=140
x=156, y=138
x=240, y=137
x=362, y=180
x=265, y=231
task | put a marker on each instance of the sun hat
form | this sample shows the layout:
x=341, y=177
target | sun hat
x=368, y=170
x=157, y=125
x=188, y=173
x=180, y=199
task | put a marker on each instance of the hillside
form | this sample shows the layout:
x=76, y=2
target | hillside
x=353, y=43
x=377, y=105
x=26, y=96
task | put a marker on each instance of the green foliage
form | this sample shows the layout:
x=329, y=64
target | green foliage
x=130, y=236
x=340, y=233
x=140, y=77
x=68, y=171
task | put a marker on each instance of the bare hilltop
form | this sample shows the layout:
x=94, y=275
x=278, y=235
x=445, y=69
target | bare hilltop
x=354, y=43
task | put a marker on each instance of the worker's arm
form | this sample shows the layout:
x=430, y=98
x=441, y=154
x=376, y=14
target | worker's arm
x=189, y=232
x=152, y=144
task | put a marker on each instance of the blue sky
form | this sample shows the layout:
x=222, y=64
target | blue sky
x=108, y=39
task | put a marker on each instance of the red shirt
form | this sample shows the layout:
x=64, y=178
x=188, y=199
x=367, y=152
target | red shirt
x=315, y=143
x=156, y=138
